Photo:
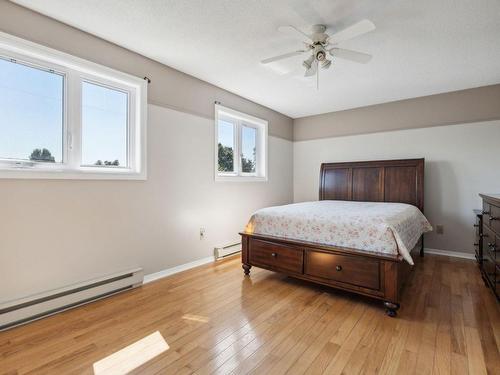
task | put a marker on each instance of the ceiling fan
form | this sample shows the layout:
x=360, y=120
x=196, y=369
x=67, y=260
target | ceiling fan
x=321, y=45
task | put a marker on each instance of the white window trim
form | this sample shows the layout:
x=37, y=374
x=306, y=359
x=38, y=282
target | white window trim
x=77, y=70
x=261, y=125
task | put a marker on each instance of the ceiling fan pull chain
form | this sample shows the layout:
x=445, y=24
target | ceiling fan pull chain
x=317, y=80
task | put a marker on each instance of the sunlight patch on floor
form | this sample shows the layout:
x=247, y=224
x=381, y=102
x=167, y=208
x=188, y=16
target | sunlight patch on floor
x=196, y=318
x=132, y=356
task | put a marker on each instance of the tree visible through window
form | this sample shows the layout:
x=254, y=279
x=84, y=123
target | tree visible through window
x=42, y=155
x=226, y=146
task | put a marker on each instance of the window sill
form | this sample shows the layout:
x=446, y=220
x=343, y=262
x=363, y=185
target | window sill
x=61, y=174
x=240, y=179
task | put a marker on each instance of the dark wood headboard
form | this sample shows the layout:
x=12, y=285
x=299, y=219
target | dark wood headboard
x=400, y=181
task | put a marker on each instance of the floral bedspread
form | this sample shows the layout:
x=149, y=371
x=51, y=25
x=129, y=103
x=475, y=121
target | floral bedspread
x=390, y=228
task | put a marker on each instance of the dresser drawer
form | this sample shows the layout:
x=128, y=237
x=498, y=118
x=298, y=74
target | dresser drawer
x=343, y=268
x=490, y=242
x=489, y=268
x=478, y=228
x=274, y=256
x=491, y=216
x=494, y=218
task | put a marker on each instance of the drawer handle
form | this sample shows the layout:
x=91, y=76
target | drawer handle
x=492, y=218
x=476, y=225
x=338, y=268
x=486, y=212
x=492, y=246
x=476, y=244
x=274, y=255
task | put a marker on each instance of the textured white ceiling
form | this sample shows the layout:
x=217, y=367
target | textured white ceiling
x=420, y=47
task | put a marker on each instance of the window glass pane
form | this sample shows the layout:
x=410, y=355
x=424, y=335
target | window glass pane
x=31, y=113
x=248, y=149
x=104, y=126
x=226, y=146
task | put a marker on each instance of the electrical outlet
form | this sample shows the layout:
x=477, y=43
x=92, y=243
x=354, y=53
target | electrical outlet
x=439, y=229
x=202, y=233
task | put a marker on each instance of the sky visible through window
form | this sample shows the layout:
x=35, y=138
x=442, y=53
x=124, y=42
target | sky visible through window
x=104, y=125
x=31, y=116
x=226, y=134
x=248, y=139
x=31, y=111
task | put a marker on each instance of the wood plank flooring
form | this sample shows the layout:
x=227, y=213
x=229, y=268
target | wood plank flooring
x=216, y=321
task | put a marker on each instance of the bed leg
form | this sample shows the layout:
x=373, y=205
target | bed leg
x=422, y=247
x=246, y=268
x=391, y=308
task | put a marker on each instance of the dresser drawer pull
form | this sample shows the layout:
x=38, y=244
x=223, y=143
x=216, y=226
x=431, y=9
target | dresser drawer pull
x=492, y=218
x=476, y=244
x=486, y=212
x=476, y=225
x=492, y=247
x=274, y=255
x=338, y=268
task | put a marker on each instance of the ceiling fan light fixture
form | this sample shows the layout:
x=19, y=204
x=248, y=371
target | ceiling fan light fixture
x=308, y=63
x=325, y=64
x=321, y=55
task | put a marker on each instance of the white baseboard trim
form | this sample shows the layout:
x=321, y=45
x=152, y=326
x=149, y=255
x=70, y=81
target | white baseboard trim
x=183, y=267
x=455, y=254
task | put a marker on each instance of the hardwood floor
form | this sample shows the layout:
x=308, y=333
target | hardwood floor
x=215, y=320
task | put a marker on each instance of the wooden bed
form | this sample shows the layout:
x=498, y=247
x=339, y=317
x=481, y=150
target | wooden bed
x=372, y=274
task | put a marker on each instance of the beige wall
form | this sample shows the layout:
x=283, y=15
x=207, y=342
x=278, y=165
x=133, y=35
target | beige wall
x=465, y=106
x=58, y=232
x=169, y=87
x=461, y=161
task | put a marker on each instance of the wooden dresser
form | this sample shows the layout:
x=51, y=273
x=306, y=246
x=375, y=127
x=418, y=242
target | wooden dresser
x=488, y=241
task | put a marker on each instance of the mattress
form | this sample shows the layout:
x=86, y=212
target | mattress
x=390, y=228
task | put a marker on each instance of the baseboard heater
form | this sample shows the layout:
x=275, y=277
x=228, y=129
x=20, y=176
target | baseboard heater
x=227, y=250
x=21, y=311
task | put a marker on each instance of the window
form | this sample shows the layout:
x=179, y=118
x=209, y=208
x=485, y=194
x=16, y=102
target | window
x=104, y=126
x=64, y=117
x=240, y=146
x=31, y=113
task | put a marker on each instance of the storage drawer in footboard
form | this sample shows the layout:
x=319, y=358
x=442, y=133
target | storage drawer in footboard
x=276, y=256
x=352, y=270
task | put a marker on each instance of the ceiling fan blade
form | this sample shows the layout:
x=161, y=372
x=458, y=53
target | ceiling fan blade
x=359, y=28
x=312, y=70
x=348, y=54
x=281, y=57
x=293, y=31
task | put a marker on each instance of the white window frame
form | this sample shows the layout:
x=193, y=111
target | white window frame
x=76, y=71
x=240, y=119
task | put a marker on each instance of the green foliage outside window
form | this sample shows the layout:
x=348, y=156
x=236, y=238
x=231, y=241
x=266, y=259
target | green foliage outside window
x=226, y=161
x=42, y=155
